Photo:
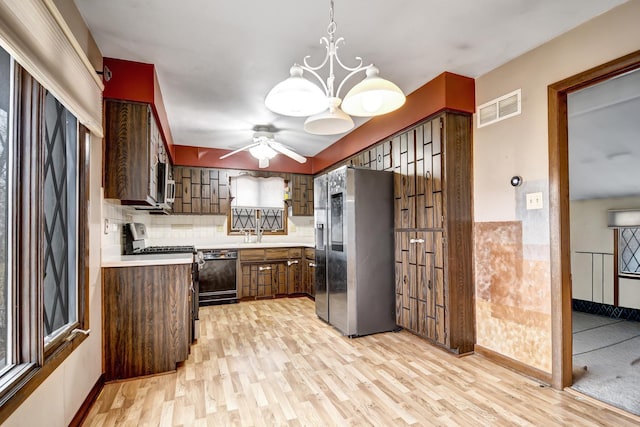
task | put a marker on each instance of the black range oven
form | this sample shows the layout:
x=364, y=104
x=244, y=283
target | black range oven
x=217, y=276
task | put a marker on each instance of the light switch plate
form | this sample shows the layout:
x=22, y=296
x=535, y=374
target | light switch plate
x=534, y=201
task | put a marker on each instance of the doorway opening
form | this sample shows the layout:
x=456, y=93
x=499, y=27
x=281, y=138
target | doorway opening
x=560, y=224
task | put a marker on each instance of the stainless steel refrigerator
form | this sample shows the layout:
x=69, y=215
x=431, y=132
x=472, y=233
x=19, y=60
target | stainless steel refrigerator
x=353, y=213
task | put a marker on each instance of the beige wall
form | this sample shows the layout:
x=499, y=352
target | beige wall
x=56, y=401
x=513, y=292
x=589, y=233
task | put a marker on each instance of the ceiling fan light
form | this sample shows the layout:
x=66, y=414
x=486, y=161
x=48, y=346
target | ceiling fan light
x=262, y=152
x=330, y=122
x=296, y=96
x=373, y=96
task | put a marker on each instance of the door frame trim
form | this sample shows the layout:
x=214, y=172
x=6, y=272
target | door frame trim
x=561, y=335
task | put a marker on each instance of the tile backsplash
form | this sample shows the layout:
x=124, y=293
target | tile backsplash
x=198, y=230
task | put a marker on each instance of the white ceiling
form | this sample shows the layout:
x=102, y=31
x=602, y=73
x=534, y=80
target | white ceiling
x=604, y=139
x=216, y=60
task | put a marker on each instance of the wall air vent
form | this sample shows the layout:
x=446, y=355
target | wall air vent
x=499, y=109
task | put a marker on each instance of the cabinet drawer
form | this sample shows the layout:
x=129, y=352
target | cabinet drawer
x=295, y=253
x=252, y=254
x=277, y=253
x=310, y=253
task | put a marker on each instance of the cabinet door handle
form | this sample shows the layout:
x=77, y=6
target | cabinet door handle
x=416, y=240
x=312, y=264
x=264, y=268
x=289, y=263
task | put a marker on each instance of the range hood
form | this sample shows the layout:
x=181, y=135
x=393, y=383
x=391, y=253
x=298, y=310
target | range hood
x=623, y=218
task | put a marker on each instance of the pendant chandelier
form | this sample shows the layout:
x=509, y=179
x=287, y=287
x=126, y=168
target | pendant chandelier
x=328, y=113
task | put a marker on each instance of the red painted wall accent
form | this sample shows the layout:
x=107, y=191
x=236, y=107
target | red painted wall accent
x=210, y=158
x=138, y=82
x=448, y=91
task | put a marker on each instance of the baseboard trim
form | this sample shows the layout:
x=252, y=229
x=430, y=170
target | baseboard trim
x=513, y=364
x=608, y=310
x=84, y=409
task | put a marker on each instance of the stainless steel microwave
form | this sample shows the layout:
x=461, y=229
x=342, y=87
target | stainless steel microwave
x=166, y=191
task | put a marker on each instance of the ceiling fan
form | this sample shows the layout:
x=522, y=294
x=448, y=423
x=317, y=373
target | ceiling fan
x=265, y=147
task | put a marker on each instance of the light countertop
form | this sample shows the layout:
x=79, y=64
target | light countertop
x=240, y=245
x=167, y=259
x=142, y=260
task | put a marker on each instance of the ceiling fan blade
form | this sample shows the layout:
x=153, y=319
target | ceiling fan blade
x=246, y=147
x=284, y=150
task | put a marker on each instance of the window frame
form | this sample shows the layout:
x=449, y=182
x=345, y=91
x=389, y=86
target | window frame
x=63, y=332
x=619, y=252
x=33, y=361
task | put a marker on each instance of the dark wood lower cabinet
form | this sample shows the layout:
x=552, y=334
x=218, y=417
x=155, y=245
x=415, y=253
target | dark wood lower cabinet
x=295, y=282
x=271, y=272
x=420, y=293
x=146, y=319
x=309, y=272
x=263, y=280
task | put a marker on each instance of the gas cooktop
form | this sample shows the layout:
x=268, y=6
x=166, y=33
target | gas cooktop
x=166, y=250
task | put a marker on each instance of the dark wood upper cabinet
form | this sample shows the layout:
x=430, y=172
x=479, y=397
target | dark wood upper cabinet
x=201, y=190
x=301, y=187
x=133, y=147
x=205, y=191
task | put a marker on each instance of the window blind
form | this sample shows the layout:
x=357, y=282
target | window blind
x=35, y=34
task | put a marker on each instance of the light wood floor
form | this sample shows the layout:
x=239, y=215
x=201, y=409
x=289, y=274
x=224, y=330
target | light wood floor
x=273, y=362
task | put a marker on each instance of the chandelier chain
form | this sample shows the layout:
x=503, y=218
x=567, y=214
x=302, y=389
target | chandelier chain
x=332, y=27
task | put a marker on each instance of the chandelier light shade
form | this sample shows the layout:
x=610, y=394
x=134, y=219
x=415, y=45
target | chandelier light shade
x=373, y=96
x=328, y=113
x=330, y=122
x=296, y=96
